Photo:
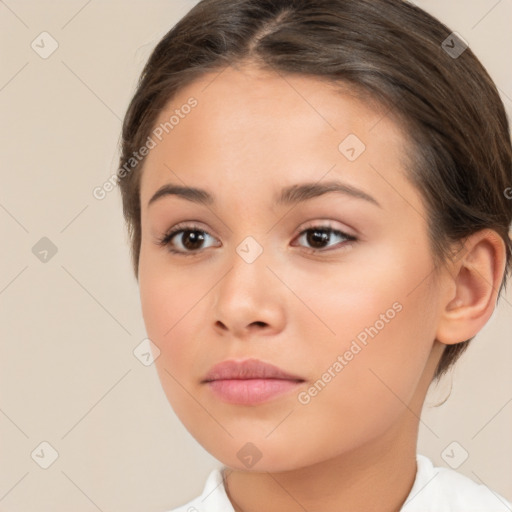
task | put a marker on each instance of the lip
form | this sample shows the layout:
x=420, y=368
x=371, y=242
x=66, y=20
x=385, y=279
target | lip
x=247, y=369
x=250, y=381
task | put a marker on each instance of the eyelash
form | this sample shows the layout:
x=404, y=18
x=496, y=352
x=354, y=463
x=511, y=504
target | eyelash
x=165, y=241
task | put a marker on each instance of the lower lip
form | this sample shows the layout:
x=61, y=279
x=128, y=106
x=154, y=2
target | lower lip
x=251, y=391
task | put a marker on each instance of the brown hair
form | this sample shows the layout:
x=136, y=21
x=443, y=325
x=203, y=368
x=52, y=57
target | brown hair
x=412, y=64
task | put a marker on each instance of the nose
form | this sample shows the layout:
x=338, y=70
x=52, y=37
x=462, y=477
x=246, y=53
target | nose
x=249, y=299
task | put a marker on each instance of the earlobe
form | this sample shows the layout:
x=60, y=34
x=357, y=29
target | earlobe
x=474, y=280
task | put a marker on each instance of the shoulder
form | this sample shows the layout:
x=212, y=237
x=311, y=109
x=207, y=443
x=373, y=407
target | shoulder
x=212, y=499
x=445, y=490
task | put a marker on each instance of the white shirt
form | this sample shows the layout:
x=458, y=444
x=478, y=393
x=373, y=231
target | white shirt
x=435, y=489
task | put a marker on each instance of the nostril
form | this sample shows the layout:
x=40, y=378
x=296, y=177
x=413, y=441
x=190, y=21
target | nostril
x=221, y=325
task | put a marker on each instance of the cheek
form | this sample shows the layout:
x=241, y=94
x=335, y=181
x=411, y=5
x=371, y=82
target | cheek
x=385, y=326
x=170, y=308
x=369, y=291
x=165, y=293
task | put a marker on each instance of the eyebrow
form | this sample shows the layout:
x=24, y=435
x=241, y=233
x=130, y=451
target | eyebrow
x=289, y=195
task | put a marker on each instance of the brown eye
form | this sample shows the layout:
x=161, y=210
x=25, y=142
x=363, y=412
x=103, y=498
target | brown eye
x=320, y=237
x=185, y=240
x=317, y=237
x=191, y=240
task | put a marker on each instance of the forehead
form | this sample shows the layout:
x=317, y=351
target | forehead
x=265, y=128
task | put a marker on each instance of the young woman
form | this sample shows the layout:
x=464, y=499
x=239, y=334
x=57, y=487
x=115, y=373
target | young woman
x=316, y=195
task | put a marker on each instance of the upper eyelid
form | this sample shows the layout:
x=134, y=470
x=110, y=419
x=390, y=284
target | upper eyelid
x=325, y=224
x=322, y=222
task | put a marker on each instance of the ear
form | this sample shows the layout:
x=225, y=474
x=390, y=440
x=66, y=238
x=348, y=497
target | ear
x=472, y=285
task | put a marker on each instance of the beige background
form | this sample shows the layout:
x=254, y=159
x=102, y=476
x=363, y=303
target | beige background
x=69, y=326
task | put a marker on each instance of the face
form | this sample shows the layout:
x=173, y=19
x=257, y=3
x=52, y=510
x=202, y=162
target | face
x=334, y=285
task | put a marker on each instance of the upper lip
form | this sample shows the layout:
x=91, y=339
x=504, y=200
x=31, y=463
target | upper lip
x=247, y=369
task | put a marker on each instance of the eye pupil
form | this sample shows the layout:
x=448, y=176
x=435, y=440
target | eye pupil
x=316, y=236
x=194, y=237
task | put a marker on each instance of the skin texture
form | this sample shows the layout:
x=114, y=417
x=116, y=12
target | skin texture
x=352, y=447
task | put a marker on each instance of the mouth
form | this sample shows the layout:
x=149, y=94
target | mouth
x=249, y=382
